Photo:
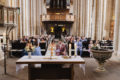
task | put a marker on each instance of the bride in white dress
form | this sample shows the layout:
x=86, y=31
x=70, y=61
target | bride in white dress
x=51, y=47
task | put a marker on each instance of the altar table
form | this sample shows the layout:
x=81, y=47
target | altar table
x=53, y=72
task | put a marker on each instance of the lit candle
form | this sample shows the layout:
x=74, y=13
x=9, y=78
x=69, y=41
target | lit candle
x=75, y=46
x=69, y=49
x=51, y=51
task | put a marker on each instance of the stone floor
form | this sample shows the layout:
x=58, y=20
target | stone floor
x=112, y=73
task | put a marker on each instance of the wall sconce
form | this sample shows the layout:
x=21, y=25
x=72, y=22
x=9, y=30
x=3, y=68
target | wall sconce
x=52, y=29
x=63, y=29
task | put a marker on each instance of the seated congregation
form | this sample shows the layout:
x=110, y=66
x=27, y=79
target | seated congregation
x=41, y=45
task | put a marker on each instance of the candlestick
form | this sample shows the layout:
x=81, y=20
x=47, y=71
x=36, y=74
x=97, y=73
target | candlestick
x=75, y=46
x=51, y=51
x=70, y=50
x=29, y=55
x=51, y=48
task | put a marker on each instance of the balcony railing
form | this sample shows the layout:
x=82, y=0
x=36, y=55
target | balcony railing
x=58, y=17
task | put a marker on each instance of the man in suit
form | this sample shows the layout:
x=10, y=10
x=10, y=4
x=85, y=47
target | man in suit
x=79, y=46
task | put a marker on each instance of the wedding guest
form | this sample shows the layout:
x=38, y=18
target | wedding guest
x=38, y=40
x=90, y=47
x=37, y=50
x=83, y=39
x=109, y=42
x=42, y=40
x=60, y=43
x=57, y=49
x=63, y=50
x=52, y=44
x=104, y=42
x=97, y=44
x=24, y=39
x=71, y=41
x=29, y=47
x=79, y=46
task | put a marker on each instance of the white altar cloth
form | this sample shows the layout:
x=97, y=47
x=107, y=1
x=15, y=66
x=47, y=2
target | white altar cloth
x=37, y=60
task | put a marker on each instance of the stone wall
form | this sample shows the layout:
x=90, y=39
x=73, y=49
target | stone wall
x=2, y=2
x=117, y=28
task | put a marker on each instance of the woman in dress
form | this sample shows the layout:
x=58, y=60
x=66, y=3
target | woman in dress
x=37, y=50
x=29, y=48
x=51, y=49
x=57, y=49
x=97, y=44
x=63, y=50
x=90, y=46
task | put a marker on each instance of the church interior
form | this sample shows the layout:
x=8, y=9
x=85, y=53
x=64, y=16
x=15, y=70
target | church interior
x=59, y=39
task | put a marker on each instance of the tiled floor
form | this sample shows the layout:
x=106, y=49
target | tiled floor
x=112, y=73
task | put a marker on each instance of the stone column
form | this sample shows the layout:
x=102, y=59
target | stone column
x=78, y=28
x=30, y=21
x=21, y=18
x=119, y=34
x=38, y=17
x=77, y=24
x=15, y=31
x=84, y=17
x=100, y=11
x=35, y=17
x=81, y=15
x=117, y=28
x=93, y=21
x=32, y=17
x=73, y=28
x=87, y=18
x=24, y=18
x=107, y=18
x=27, y=14
x=18, y=19
x=41, y=13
